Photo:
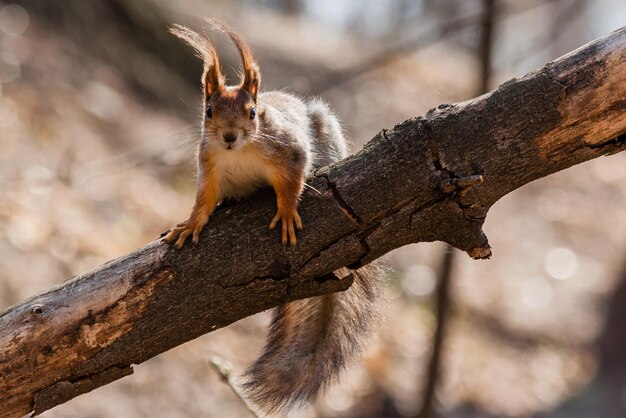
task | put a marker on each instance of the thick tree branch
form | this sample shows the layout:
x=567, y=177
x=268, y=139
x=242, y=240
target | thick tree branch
x=429, y=178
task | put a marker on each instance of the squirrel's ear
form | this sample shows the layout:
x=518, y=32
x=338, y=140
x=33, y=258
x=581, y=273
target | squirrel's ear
x=251, y=74
x=212, y=78
x=252, y=80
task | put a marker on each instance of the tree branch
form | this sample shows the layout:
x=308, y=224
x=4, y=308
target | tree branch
x=429, y=178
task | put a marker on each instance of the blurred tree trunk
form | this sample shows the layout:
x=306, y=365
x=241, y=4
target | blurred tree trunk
x=293, y=7
x=612, y=343
x=604, y=395
x=612, y=348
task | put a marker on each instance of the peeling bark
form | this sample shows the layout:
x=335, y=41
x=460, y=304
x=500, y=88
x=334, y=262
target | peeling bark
x=429, y=178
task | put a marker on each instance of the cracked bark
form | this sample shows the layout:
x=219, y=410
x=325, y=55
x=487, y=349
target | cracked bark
x=429, y=178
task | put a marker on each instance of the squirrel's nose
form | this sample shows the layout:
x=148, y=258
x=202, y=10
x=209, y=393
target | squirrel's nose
x=230, y=137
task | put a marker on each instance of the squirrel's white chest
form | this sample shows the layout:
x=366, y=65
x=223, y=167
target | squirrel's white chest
x=241, y=173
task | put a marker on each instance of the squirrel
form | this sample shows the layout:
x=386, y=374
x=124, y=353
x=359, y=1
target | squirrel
x=251, y=139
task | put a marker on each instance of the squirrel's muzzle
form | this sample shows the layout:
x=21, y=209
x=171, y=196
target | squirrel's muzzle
x=230, y=137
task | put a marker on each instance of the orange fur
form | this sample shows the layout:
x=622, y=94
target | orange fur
x=207, y=198
x=288, y=189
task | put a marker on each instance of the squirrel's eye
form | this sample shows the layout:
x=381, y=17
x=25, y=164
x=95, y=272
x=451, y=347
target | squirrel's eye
x=252, y=113
x=209, y=112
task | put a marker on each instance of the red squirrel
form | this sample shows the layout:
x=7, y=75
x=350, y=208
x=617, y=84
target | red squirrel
x=251, y=139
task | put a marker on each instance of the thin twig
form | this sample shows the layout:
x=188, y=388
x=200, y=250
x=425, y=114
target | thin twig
x=223, y=369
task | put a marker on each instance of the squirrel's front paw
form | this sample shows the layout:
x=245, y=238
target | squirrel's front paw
x=290, y=221
x=192, y=225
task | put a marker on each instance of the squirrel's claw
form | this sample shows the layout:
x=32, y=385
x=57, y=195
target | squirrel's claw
x=183, y=230
x=290, y=222
x=196, y=234
x=183, y=237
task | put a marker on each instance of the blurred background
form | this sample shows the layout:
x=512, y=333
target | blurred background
x=99, y=112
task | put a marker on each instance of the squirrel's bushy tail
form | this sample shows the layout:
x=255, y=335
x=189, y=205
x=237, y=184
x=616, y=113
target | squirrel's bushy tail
x=310, y=342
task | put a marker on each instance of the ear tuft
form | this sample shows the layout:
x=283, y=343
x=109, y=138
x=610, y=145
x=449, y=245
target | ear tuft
x=212, y=78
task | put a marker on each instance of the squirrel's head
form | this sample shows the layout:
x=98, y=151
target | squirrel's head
x=230, y=112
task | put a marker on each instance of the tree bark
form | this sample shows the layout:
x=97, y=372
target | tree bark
x=429, y=178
